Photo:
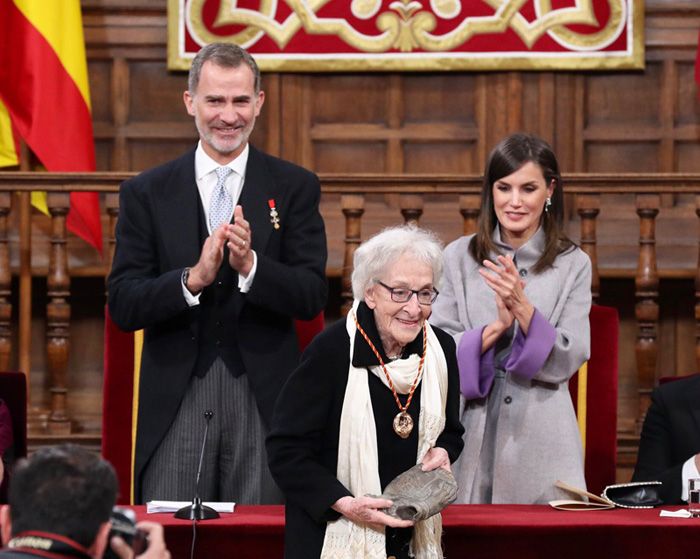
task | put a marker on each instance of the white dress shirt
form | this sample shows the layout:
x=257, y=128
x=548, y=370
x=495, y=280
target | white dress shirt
x=205, y=175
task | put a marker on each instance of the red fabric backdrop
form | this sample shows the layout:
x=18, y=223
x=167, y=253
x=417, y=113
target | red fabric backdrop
x=601, y=399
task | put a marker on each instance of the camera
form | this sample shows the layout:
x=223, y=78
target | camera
x=124, y=525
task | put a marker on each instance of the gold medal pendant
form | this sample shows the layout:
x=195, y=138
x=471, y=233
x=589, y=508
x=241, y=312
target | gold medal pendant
x=403, y=424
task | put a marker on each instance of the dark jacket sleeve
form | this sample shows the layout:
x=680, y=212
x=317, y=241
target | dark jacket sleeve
x=139, y=294
x=451, y=437
x=302, y=445
x=656, y=460
x=297, y=281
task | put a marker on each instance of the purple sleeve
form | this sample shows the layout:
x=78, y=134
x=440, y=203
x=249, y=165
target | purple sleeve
x=476, y=371
x=528, y=353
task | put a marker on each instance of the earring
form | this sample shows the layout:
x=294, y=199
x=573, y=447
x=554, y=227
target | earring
x=547, y=204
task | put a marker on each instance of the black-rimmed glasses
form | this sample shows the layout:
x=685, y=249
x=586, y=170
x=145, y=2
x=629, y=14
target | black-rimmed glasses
x=403, y=294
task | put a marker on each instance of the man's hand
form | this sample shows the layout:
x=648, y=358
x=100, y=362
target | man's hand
x=156, y=543
x=204, y=272
x=366, y=511
x=239, y=239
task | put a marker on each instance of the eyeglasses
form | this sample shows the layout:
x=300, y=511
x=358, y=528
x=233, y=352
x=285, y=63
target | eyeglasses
x=403, y=295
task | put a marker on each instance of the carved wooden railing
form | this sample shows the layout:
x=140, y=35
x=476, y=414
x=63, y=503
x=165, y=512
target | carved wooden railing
x=345, y=204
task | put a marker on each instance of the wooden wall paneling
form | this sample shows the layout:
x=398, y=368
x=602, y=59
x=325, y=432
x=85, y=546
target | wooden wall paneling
x=120, y=114
x=290, y=96
x=349, y=123
x=622, y=127
x=481, y=100
x=546, y=107
x=498, y=99
x=687, y=118
x=666, y=123
x=271, y=120
x=394, y=121
x=514, y=119
x=577, y=137
x=438, y=124
x=563, y=115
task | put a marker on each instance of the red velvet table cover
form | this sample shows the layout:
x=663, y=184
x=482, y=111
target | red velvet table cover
x=470, y=531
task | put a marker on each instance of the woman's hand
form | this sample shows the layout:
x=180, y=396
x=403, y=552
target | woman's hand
x=506, y=283
x=493, y=331
x=435, y=458
x=366, y=510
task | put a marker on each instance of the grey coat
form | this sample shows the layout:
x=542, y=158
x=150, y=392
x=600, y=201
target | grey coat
x=537, y=440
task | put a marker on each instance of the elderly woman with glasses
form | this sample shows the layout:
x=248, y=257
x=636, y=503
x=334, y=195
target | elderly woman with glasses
x=517, y=295
x=375, y=394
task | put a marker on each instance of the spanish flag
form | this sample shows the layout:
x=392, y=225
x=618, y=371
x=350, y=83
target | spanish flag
x=44, y=87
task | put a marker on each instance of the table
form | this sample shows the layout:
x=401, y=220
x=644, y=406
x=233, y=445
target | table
x=470, y=531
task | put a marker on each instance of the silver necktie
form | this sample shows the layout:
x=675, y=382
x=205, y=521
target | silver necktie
x=221, y=205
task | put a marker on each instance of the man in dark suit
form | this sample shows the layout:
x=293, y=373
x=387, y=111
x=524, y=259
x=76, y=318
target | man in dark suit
x=669, y=448
x=217, y=253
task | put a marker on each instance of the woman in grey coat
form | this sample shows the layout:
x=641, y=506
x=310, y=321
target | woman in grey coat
x=516, y=297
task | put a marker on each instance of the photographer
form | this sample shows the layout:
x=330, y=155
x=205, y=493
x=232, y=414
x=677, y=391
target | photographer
x=61, y=500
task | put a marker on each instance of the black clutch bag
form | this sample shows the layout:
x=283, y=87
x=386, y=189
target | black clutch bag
x=635, y=495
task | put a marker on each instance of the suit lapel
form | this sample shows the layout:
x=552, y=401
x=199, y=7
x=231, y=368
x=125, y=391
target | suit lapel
x=258, y=188
x=177, y=208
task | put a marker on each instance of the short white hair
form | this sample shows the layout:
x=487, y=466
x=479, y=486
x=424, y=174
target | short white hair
x=375, y=255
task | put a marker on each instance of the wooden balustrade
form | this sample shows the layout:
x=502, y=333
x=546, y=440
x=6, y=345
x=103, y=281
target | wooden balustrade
x=350, y=205
x=646, y=310
x=353, y=206
x=588, y=207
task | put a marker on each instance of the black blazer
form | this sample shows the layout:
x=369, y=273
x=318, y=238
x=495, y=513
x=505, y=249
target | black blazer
x=670, y=435
x=158, y=235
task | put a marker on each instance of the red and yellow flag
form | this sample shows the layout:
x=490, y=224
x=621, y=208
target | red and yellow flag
x=44, y=86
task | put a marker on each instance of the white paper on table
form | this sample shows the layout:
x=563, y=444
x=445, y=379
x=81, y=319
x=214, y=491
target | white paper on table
x=681, y=513
x=172, y=506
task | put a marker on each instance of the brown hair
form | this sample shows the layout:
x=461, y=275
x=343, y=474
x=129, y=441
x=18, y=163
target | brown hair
x=507, y=157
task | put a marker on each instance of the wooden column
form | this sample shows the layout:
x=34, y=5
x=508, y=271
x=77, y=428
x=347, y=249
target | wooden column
x=5, y=285
x=353, y=206
x=697, y=295
x=469, y=207
x=58, y=315
x=112, y=206
x=411, y=207
x=646, y=310
x=588, y=207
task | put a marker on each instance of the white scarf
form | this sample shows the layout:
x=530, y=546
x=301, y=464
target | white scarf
x=358, y=461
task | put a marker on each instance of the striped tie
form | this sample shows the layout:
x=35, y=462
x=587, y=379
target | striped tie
x=221, y=205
